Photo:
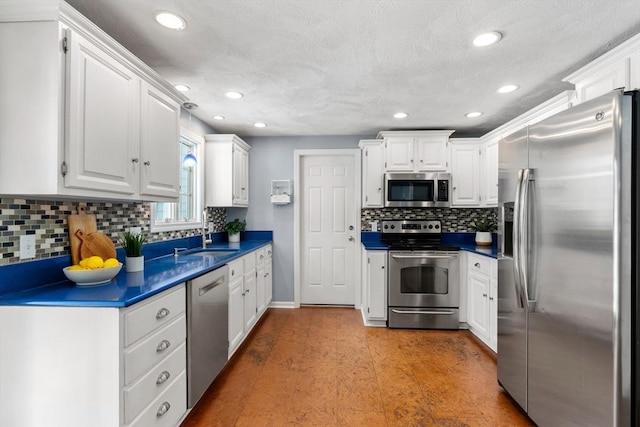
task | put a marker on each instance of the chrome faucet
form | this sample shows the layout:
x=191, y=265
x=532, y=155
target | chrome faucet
x=177, y=250
x=205, y=241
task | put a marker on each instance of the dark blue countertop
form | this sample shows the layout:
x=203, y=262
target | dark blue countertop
x=160, y=273
x=466, y=241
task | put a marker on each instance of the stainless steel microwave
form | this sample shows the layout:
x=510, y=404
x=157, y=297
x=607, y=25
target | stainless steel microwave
x=417, y=190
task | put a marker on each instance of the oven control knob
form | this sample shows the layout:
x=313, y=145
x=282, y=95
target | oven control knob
x=386, y=226
x=393, y=226
x=437, y=226
x=430, y=226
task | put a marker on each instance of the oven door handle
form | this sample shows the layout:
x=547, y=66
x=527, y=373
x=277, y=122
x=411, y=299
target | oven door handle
x=423, y=256
x=448, y=312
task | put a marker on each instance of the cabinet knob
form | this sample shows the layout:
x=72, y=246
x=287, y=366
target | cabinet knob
x=454, y=188
x=163, y=377
x=490, y=298
x=233, y=272
x=163, y=312
x=162, y=346
x=379, y=189
x=477, y=265
x=147, y=163
x=484, y=295
x=163, y=409
x=134, y=160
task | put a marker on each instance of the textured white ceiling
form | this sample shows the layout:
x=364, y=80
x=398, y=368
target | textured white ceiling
x=344, y=67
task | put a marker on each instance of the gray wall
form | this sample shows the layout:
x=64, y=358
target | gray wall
x=272, y=158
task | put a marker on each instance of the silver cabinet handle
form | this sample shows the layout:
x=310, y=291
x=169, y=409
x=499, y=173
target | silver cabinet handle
x=163, y=312
x=162, y=346
x=163, y=409
x=147, y=163
x=477, y=264
x=261, y=256
x=351, y=239
x=233, y=272
x=490, y=298
x=484, y=295
x=134, y=160
x=163, y=377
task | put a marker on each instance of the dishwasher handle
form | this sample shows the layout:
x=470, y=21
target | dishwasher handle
x=203, y=290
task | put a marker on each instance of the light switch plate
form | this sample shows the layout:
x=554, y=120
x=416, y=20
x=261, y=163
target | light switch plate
x=27, y=246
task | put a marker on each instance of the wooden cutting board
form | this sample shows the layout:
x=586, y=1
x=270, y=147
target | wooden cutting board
x=85, y=239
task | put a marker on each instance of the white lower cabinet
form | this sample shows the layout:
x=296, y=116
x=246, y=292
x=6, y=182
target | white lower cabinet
x=482, y=298
x=94, y=366
x=374, y=274
x=250, y=292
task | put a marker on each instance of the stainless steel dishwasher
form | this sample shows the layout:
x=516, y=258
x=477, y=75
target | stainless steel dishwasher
x=207, y=330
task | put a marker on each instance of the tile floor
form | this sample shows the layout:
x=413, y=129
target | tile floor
x=320, y=366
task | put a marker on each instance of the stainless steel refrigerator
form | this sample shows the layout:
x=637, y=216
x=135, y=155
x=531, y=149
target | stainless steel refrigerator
x=568, y=265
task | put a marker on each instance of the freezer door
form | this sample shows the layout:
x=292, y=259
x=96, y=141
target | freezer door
x=512, y=317
x=571, y=265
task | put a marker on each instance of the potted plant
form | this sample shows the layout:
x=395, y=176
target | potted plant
x=234, y=228
x=483, y=227
x=132, y=245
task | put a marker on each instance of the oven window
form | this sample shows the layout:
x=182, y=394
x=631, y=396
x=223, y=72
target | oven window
x=424, y=279
x=403, y=191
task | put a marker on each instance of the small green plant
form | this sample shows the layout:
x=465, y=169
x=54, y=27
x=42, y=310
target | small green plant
x=132, y=243
x=484, y=225
x=235, y=226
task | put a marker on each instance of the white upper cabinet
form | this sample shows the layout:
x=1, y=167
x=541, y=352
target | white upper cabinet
x=618, y=68
x=465, y=172
x=226, y=171
x=416, y=151
x=107, y=124
x=489, y=172
x=372, y=173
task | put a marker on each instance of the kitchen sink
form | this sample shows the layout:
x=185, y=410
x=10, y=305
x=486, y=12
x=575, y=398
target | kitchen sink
x=212, y=252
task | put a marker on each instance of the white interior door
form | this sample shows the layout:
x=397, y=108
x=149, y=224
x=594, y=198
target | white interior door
x=328, y=229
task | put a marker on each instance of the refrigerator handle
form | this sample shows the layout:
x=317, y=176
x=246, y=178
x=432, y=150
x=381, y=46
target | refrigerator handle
x=517, y=235
x=527, y=179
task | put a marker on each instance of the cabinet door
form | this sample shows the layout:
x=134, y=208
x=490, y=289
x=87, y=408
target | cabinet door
x=250, y=300
x=103, y=123
x=236, y=314
x=491, y=173
x=377, y=285
x=268, y=283
x=372, y=175
x=478, y=293
x=432, y=154
x=261, y=292
x=240, y=176
x=465, y=174
x=159, y=144
x=399, y=154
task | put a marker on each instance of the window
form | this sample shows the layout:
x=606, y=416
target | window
x=186, y=213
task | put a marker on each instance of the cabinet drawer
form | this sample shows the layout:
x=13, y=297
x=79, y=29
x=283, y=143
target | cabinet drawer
x=154, y=382
x=236, y=269
x=153, y=349
x=146, y=316
x=249, y=262
x=479, y=264
x=168, y=408
x=261, y=256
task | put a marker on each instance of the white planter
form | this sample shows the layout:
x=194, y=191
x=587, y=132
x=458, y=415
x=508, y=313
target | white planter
x=483, y=238
x=133, y=264
x=234, y=238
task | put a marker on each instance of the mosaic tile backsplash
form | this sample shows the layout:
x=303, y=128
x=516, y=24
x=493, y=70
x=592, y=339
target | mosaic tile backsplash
x=456, y=220
x=47, y=220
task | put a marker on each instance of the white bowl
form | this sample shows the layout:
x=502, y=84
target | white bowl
x=92, y=277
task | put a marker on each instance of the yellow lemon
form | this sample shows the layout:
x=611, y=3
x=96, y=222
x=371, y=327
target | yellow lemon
x=76, y=267
x=111, y=262
x=83, y=263
x=94, y=262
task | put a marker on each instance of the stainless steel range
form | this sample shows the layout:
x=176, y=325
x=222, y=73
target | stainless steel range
x=424, y=276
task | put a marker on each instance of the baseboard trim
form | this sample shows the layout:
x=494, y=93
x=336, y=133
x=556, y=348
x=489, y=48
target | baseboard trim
x=282, y=304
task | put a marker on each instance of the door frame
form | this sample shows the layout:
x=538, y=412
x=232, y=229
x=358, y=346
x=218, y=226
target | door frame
x=298, y=156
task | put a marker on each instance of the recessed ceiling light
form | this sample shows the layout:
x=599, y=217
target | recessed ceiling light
x=401, y=115
x=508, y=88
x=473, y=114
x=233, y=95
x=487, y=38
x=170, y=20
x=260, y=125
x=182, y=88
x=218, y=117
